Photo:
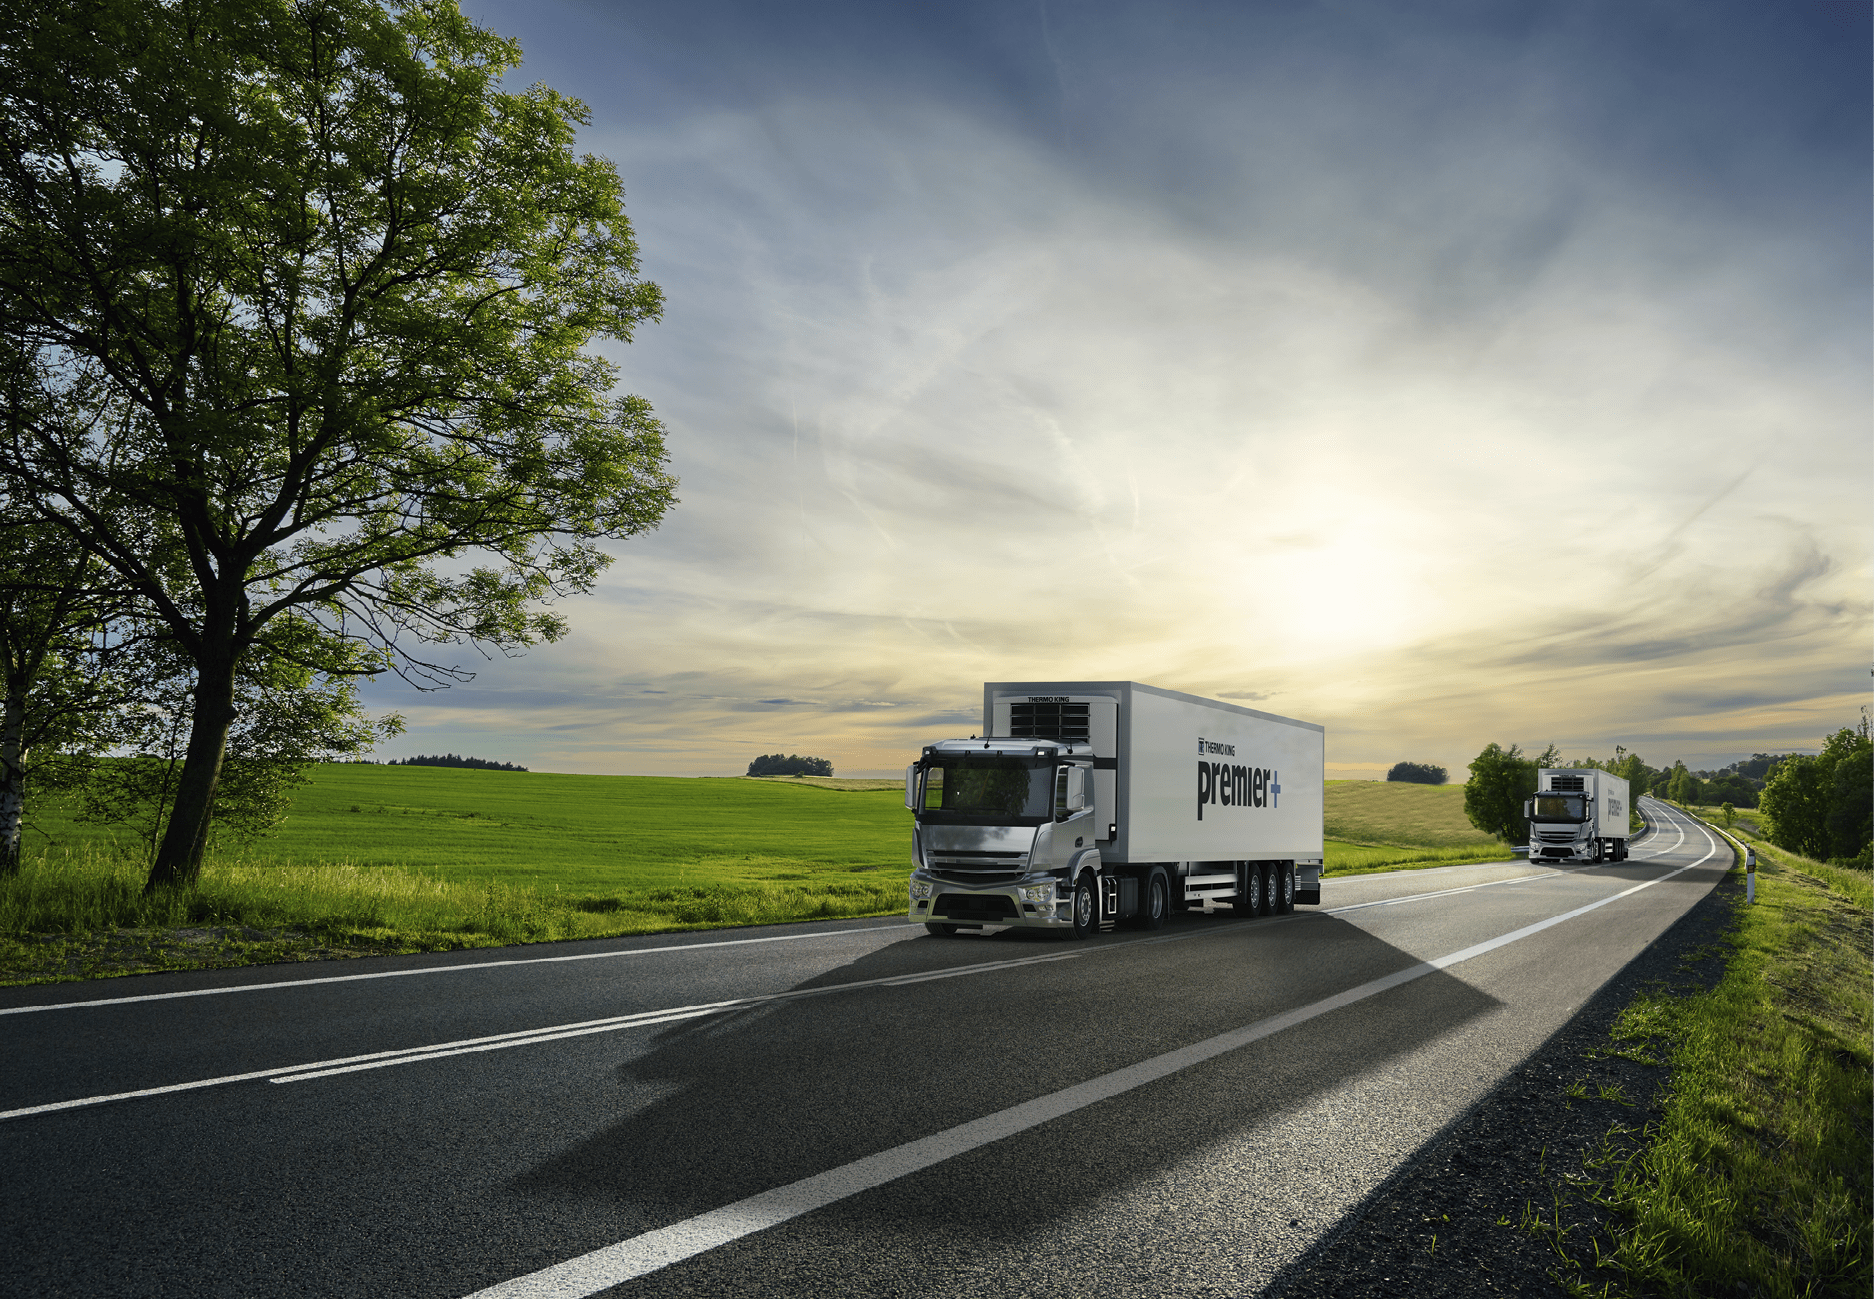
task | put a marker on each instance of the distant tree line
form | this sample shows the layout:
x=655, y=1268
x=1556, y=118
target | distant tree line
x=789, y=764
x=1417, y=773
x=452, y=760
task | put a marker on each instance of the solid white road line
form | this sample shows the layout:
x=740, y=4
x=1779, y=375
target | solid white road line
x=446, y=969
x=614, y=1264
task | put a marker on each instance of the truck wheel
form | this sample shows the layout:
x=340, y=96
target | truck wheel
x=1248, y=903
x=1086, y=909
x=1286, y=898
x=942, y=931
x=1600, y=851
x=1157, y=902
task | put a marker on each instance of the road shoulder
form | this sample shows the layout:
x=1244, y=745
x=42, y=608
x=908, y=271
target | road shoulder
x=1475, y=1212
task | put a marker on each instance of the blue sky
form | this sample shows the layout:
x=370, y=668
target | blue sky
x=1440, y=373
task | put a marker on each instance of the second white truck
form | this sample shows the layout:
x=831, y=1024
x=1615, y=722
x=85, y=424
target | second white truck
x=1577, y=816
x=1085, y=803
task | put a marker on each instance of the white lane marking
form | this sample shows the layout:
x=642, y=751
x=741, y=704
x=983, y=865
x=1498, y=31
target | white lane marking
x=901, y=926
x=1441, y=893
x=612, y=1265
x=529, y=1036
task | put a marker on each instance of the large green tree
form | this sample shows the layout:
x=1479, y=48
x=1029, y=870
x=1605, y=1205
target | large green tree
x=1823, y=806
x=1501, y=779
x=296, y=299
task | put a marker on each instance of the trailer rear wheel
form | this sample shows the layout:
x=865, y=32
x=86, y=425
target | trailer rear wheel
x=1086, y=909
x=1249, y=899
x=1157, y=902
x=942, y=931
x=1286, y=896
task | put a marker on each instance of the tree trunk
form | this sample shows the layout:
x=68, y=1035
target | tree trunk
x=12, y=780
x=179, y=857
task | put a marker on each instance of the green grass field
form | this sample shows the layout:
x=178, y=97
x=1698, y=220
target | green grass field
x=1401, y=815
x=590, y=835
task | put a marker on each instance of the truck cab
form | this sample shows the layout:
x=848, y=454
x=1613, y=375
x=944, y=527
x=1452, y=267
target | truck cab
x=1004, y=826
x=1577, y=816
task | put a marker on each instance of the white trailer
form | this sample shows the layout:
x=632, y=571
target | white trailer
x=1578, y=815
x=1084, y=803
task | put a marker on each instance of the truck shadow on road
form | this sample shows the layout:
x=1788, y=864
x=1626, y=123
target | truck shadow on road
x=756, y=1099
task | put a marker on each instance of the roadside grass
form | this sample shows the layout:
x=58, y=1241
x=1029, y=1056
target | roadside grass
x=1755, y=1179
x=84, y=915
x=378, y=859
x=1359, y=858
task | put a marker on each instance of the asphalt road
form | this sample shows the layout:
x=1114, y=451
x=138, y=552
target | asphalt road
x=873, y=1111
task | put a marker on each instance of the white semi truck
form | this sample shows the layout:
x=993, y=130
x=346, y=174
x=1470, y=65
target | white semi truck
x=1577, y=815
x=1085, y=803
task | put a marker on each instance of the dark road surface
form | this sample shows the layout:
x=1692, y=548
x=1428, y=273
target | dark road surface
x=810, y=1109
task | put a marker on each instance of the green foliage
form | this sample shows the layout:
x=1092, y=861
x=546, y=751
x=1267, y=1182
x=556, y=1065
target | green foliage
x=1417, y=773
x=1501, y=780
x=1682, y=788
x=287, y=719
x=792, y=764
x=294, y=303
x=1823, y=806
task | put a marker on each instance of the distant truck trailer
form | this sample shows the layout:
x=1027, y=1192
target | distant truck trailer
x=1086, y=803
x=1578, y=815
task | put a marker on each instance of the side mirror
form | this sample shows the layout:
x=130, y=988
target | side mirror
x=910, y=787
x=1529, y=808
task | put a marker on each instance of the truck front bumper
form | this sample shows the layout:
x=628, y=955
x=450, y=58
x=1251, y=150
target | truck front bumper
x=1032, y=903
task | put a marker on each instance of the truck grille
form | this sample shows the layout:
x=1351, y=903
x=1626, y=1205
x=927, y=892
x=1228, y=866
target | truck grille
x=965, y=906
x=1064, y=722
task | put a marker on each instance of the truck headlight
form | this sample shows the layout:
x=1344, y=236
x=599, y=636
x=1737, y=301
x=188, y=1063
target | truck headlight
x=1041, y=895
x=920, y=889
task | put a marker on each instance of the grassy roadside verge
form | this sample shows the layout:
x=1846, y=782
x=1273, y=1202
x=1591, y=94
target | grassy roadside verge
x=1755, y=1177
x=81, y=915
x=1360, y=858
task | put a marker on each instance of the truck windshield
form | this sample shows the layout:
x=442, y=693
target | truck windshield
x=990, y=789
x=1560, y=807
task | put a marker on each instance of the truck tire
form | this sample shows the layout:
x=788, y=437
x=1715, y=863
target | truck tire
x=1249, y=901
x=1285, y=895
x=1155, y=906
x=942, y=931
x=1086, y=908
